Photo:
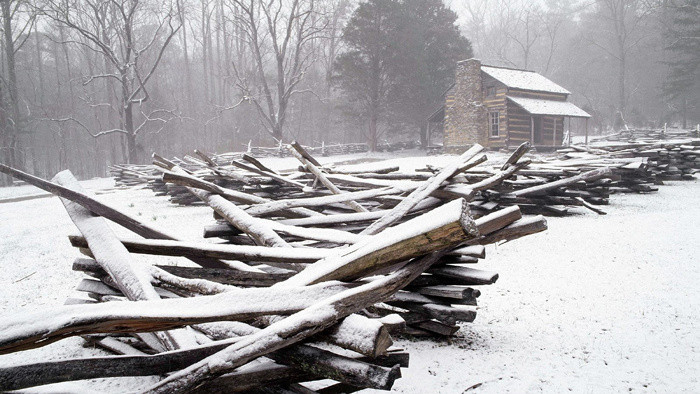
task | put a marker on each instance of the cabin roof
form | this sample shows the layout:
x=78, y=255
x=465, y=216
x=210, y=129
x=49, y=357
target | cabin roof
x=549, y=107
x=523, y=79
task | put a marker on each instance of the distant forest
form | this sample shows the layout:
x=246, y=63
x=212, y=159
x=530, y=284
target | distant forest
x=89, y=83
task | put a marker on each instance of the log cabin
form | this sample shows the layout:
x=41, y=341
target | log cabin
x=501, y=107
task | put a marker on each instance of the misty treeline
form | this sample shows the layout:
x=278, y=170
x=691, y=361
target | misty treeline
x=88, y=83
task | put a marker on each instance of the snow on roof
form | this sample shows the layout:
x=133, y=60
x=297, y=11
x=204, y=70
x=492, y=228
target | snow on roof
x=549, y=107
x=523, y=79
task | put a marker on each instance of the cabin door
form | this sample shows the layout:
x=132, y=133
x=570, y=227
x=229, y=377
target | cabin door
x=536, y=130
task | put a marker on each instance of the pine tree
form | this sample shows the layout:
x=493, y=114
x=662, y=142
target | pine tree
x=401, y=57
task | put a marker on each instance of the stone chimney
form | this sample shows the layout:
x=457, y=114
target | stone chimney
x=466, y=122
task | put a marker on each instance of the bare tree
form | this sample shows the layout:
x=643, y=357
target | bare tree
x=279, y=34
x=17, y=23
x=132, y=36
x=622, y=32
x=525, y=29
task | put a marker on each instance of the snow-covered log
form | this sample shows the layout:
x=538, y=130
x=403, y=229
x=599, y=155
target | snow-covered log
x=312, y=166
x=36, y=329
x=220, y=251
x=441, y=228
x=294, y=328
x=422, y=192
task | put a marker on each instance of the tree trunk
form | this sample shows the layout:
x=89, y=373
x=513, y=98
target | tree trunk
x=621, y=81
x=685, y=112
x=373, y=131
x=186, y=55
x=205, y=67
x=424, y=135
x=13, y=126
x=130, y=135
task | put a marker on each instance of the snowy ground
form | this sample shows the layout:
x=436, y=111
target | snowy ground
x=594, y=304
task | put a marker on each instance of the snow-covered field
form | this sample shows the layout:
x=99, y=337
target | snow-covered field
x=594, y=304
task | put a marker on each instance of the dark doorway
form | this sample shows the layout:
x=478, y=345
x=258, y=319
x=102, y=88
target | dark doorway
x=536, y=130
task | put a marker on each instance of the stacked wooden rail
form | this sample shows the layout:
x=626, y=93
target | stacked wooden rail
x=281, y=303
x=648, y=135
x=539, y=186
x=662, y=159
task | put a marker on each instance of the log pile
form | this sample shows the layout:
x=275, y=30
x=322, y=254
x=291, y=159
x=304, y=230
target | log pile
x=549, y=185
x=650, y=135
x=292, y=296
x=662, y=160
x=323, y=150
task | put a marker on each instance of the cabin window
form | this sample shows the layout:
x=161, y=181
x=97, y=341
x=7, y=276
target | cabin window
x=493, y=123
x=491, y=91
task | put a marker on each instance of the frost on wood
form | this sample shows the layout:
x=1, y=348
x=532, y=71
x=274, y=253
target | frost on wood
x=265, y=307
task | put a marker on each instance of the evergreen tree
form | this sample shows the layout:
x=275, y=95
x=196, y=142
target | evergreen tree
x=401, y=57
x=364, y=72
x=429, y=49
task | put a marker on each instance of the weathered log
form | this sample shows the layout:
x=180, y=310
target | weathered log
x=590, y=206
x=206, y=158
x=443, y=227
x=331, y=220
x=304, y=153
x=132, y=279
x=375, y=341
x=464, y=274
x=219, y=251
x=542, y=189
x=274, y=206
x=499, y=177
x=110, y=344
x=233, y=195
x=249, y=377
x=258, y=164
x=457, y=292
x=437, y=327
x=369, y=337
x=516, y=155
x=36, y=374
x=449, y=312
x=272, y=175
x=297, y=151
x=498, y=220
x=224, y=276
x=362, y=170
x=468, y=165
x=517, y=229
x=256, y=228
x=458, y=259
x=421, y=192
x=342, y=369
x=103, y=210
x=36, y=329
x=478, y=251
x=294, y=328
x=309, y=359
x=408, y=299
